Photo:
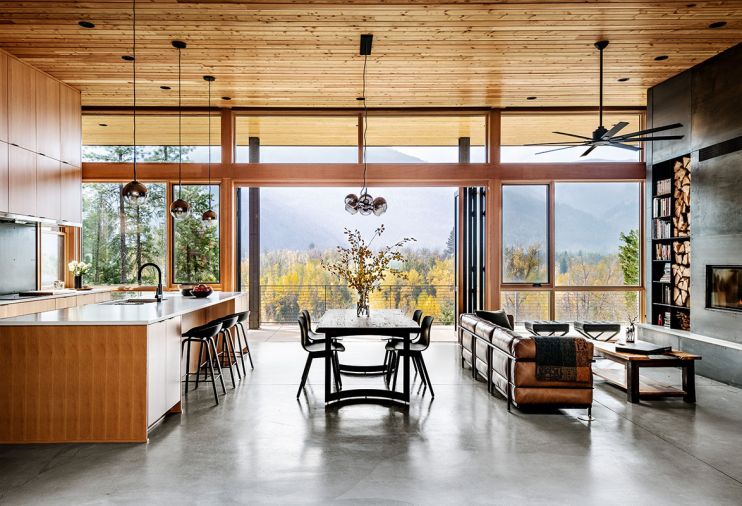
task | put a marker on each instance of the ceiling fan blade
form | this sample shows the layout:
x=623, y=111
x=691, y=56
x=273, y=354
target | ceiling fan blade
x=558, y=149
x=573, y=135
x=625, y=146
x=563, y=143
x=614, y=130
x=651, y=130
x=650, y=139
x=589, y=150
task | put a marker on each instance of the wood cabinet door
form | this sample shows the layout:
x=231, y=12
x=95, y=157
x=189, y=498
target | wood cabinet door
x=3, y=177
x=21, y=181
x=156, y=372
x=172, y=367
x=3, y=97
x=48, y=188
x=21, y=104
x=71, y=121
x=71, y=193
x=48, y=140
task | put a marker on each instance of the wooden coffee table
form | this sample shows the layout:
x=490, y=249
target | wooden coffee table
x=636, y=387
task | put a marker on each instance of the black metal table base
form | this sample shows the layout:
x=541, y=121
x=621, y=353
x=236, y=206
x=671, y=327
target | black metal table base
x=360, y=395
x=364, y=370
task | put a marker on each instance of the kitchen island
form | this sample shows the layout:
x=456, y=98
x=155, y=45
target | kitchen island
x=105, y=372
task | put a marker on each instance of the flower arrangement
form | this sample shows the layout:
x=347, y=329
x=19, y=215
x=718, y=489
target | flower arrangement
x=78, y=269
x=362, y=269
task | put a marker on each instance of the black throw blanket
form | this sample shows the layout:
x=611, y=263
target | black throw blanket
x=562, y=359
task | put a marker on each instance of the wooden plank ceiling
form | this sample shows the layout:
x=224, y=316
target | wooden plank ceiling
x=287, y=53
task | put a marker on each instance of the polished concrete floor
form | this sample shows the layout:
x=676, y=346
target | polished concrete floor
x=262, y=446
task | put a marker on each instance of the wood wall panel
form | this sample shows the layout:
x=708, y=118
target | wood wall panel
x=21, y=181
x=71, y=189
x=48, y=188
x=48, y=133
x=3, y=97
x=74, y=384
x=22, y=81
x=71, y=125
x=4, y=182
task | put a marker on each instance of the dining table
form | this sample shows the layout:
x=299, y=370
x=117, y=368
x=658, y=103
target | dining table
x=337, y=323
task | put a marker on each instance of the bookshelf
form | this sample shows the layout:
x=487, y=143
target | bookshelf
x=670, y=242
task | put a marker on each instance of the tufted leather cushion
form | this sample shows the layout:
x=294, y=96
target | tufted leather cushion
x=469, y=321
x=484, y=330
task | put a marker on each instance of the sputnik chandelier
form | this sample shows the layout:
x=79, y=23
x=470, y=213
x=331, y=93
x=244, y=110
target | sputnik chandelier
x=365, y=203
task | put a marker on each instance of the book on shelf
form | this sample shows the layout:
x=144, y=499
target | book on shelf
x=663, y=252
x=667, y=319
x=661, y=207
x=666, y=274
x=661, y=229
x=664, y=186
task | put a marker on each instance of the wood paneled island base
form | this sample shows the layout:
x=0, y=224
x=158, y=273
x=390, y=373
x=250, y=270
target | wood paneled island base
x=77, y=382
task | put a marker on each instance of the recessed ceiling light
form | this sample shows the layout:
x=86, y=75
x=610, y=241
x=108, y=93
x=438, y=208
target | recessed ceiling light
x=690, y=6
x=718, y=24
x=661, y=57
x=86, y=24
x=531, y=98
x=226, y=98
x=163, y=87
x=360, y=99
x=127, y=57
x=623, y=79
x=102, y=124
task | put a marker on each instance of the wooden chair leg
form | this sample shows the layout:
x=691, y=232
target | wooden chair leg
x=304, y=375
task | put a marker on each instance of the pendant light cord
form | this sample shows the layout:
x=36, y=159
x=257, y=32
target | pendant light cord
x=601, y=88
x=364, y=190
x=134, y=72
x=180, y=128
x=209, y=136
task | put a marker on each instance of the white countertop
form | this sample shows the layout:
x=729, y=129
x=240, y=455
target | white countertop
x=107, y=313
x=57, y=294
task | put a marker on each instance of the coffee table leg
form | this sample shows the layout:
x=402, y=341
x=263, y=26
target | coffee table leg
x=328, y=363
x=689, y=381
x=632, y=383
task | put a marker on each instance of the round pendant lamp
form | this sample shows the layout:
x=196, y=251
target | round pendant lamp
x=179, y=208
x=134, y=192
x=209, y=215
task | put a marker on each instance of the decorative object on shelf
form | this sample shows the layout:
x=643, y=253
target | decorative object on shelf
x=363, y=202
x=362, y=269
x=201, y=291
x=605, y=137
x=78, y=270
x=209, y=215
x=179, y=208
x=134, y=191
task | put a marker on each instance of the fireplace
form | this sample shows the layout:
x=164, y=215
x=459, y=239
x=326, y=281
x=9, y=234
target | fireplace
x=724, y=287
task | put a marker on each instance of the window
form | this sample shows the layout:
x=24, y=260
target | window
x=424, y=139
x=520, y=129
x=52, y=256
x=597, y=234
x=526, y=305
x=118, y=238
x=196, y=242
x=109, y=138
x=525, y=229
x=298, y=139
x=616, y=306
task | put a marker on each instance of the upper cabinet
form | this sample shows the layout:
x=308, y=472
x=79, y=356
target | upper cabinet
x=21, y=181
x=47, y=116
x=48, y=188
x=71, y=194
x=3, y=97
x=21, y=104
x=3, y=177
x=71, y=121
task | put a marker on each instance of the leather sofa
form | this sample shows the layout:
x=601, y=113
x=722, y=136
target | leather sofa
x=507, y=361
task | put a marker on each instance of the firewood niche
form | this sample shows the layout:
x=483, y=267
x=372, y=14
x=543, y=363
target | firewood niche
x=681, y=248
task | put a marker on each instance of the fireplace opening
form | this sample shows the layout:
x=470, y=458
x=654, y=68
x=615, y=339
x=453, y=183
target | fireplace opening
x=724, y=287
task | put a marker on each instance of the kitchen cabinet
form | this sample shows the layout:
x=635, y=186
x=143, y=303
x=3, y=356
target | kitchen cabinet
x=71, y=125
x=48, y=140
x=163, y=368
x=48, y=188
x=3, y=177
x=21, y=181
x=21, y=104
x=71, y=191
x=3, y=97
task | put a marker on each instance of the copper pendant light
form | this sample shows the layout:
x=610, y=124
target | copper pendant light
x=210, y=215
x=134, y=192
x=179, y=208
x=365, y=203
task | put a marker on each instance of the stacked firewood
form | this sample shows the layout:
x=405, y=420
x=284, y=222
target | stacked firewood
x=681, y=222
x=681, y=217
x=683, y=320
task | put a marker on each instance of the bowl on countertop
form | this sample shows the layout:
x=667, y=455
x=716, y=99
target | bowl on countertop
x=186, y=290
x=201, y=291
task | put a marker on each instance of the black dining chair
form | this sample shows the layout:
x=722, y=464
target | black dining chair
x=313, y=336
x=417, y=317
x=416, y=354
x=316, y=349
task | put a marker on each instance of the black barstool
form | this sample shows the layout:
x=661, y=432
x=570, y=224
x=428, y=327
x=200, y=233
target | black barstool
x=203, y=335
x=242, y=346
x=227, y=345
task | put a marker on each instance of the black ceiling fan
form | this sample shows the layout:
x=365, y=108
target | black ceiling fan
x=603, y=136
